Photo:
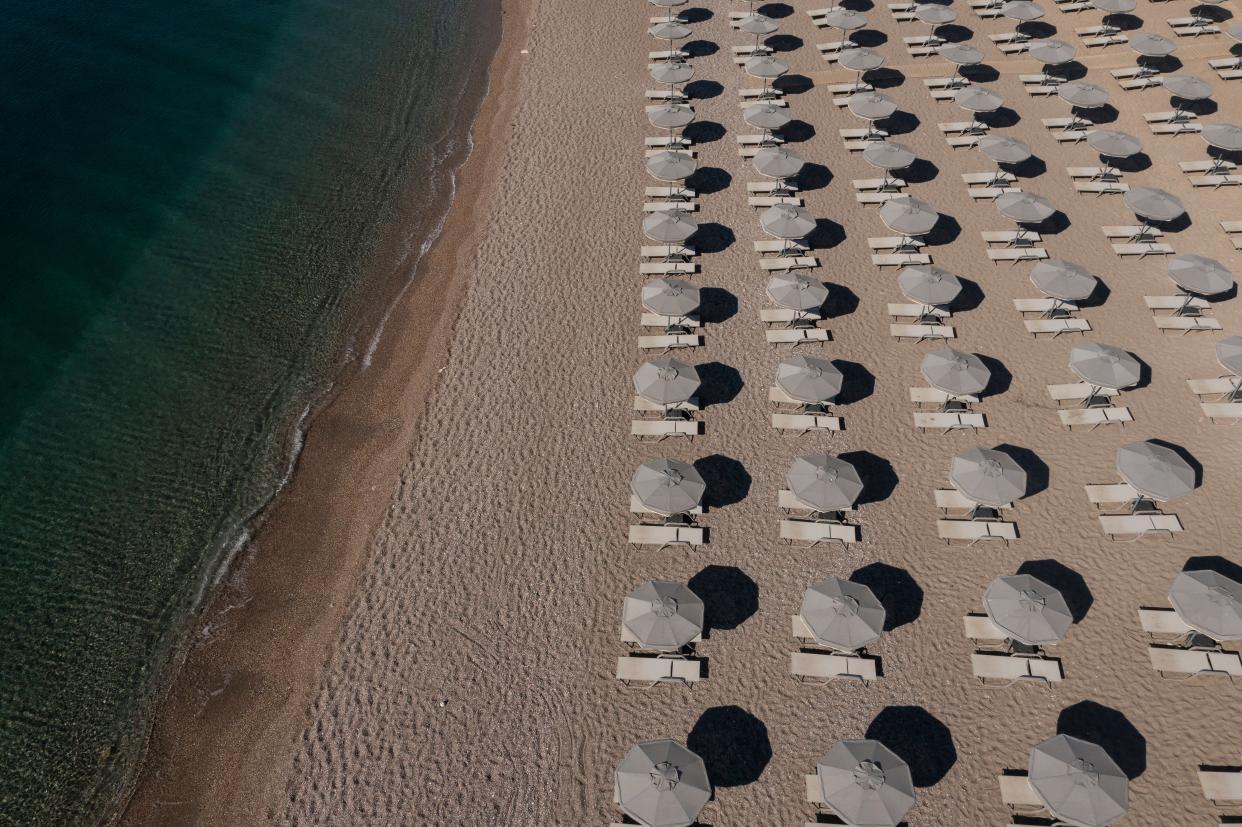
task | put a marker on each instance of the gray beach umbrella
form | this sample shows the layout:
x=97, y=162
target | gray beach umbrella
x=1053, y=52
x=908, y=216
x=670, y=115
x=1078, y=782
x=1226, y=136
x=662, y=784
x=961, y=54
x=1082, y=95
x=888, y=155
x=1025, y=207
x=765, y=116
x=1105, y=366
x=1152, y=45
x=669, y=30
x=1234, y=30
x=1208, y=602
x=1115, y=6
x=797, y=292
x=934, y=14
x=669, y=226
x=1113, y=144
x=1003, y=149
x=667, y=3
x=787, y=221
x=928, y=284
x=955, y=372
x=759, y=24
x=765, y=66
x=866, y=784
x=808, y=379
x=1028, y=609
x=671, y=166
x=1155, y=470
x=1187, y=87
x=1155, y=204
x=668, y=486
x=663, y=614
x=824, y=482
x=1022, y=10
x=871, y=106
x=842, y=614
x=1200, y=275
x=1063, y=279
x=987, y=476
x=670, y=297
x=666, y=381
x=861, y=59
x=978, y=99
x=845, y=19
x=672, y=72
x=777, y=162
x=1229, y=354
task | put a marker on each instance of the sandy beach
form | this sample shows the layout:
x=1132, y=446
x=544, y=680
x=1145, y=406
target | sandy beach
x=425, y=630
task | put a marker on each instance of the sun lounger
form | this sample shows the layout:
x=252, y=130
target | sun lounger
x=783, y=315
x=669, y=342
x=663, y=536
x=1175, y=128
x=661, y=429
x=1101, y=187
x=1143, y=250
x=786, y=501
x=667, y=250
x=770, y=246
x=1100, y=41
x=917, y=311
x=667, y=268
x=1015, y=254
x=1118, y=494
x=822, y=667
x=657, y=320
x=760, y=140
x=1138, y=83
x=1233, y=229
x=796, y=336
x=788, y=262
x=647, y=406
x=807, y=533
x=1056, y=326
x=1212, y=387
x=1172, y=660
x=998, y=669
x=895, y=242
x=988, y=179
x=1231, y=411
x=682, y=150
x=1162, y=623
x=637, y=507
x=1216, y=181
x=1011, y=238
x=1017, y=793
x=680, y=193
x=1194, y=303
x=672, y=95
x=950, y=499
x=647, y=672
x=1139, y=525
x=1186, y=324
x=990, y=193
x=660, y=206
x=773, y=200
x=805, y=423
x=666, y=142
x=1078, y=392
x=934, y=396
x=980, y=629
x=899, y=259
x=1223, y=787
x=972, y=531
x=1194, y=30
x=1226, y=69
x=921, y=332
x=768, y=187
x=1094, y=417
x=1132, y=232
x=925, y=420
x=962, y=127
x=814, y=790
x=856, y=133
x=951, y=83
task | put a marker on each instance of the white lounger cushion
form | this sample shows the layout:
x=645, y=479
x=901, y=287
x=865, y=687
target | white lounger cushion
x=810, y=533
x=660, y=535
x=975, y=530
x=1095, y=417
x=925, y=420
x=979, y=626
x=817, y=667
x=805, y=422
x=1139, y=524
x=650, y=671
x=1009, y=669
x=1172, y=660
x=1164, y=622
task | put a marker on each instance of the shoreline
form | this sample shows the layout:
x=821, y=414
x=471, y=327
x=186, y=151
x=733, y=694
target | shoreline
x=231, y=708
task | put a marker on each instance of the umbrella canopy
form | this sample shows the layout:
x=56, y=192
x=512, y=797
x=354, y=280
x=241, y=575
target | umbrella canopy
x=871, y=106
x=888, y=155
x=987, y=476
x=662, y=784
x=1226, y=136
x=1113, y=144
x=777, y=162
x=1229, y=354
x=797, y=292
x=1187, y=87
x=766, y=66
x=663, y=614
x=908, y=216
x=1078, y=781
x=1105, y=366
x=1155, y=471
x=928, y=284
x=757, y=24
x=955, y=372
x=669, y=226
x=670, y=115
x=934, y=13
x=669, y=30
x=978, y=99
x=1063, y=279
x=1082, y=95
x=1023, y=10
x=670, y=297
x=1152, y=45
x=667, y=3
x=1025, y=207
x=1234, y=30
x=671, y=166
x=861, y=59
x=666, y=381
x=1115, y=6
x=674, y=71
x=1200, y=275
x=808, y=379
x=765, y=116
x=1003, y=150
x=824, y=483
x=961, y=54
x=1052, y=52
x=1208, y=602
x=843, y=614
x=1156, y=204
x=1028, y=609
x=845, y=19
x=865, y=783
x=787, y=221
x=668, y=486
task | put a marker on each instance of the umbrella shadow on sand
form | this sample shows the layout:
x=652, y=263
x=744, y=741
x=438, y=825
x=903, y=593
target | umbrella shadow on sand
x=946, y=231
x=697, y=15
x=999, y=378
x=878, y=476
x=827, y=234
x=775, y=10
x=707, y=180
x=895, y=589
x=700, y=48
x=728, y=481
x=704, y=132
x=1036, y=469
x=842, y=301
x=713, y=238
x=857, y=382
x=797, y=132
x=1184, y=454
x=1109, y=729
x=1032, y=167
x=721, y=383
x=1216, y=563
x=954, y=33
x=784, y=42
x=730, y=597
x=970, y=297
x=814, y=177
x=716, y=305
x=919, y=739
x=920, y=172
x=732, y=743
x=1068, y=582
x=793, y=84
x=703, y=89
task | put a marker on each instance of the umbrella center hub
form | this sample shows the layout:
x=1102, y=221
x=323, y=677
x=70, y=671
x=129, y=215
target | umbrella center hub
x=667, y=374
x=1221, y=598
x=869, y=775
x=961, y=363
x=845, y=605
x=1084, y=773
x=664, y=606
x=665, y=776
x=672, y=478
x=826, y=474
x=1032, y=601
x=815, y=372
x=990, y=468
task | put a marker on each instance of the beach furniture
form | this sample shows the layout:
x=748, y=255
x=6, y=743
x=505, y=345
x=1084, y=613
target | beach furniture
x=1137, y=526
x=778, y=263
x=1094, y=417
x=1227, y=411
x=651, y=671
x=669, y=342
x=1188, y=663
x=935, y=396
x=1192, y=26
x=1055, y=327
x=769, y=187
x=795, y=336
x=663, y=536
x=1000, y=669
x=647, y=406
x=786, y=501
x=824, y=667
x=786, y=316
x=896, y=243
x=667, y=251
x=899, y=259
x=917, y=311
x=1079, y=392
x=1186, y=324
x=658, y=430
x=945, y=422
x=1221, y=785
x=773, y=246
x=1162, y=624
x=657, y=320
x=1233, y=229
x=921, y=332
x=667, y=268
x=661, y=206
x=637, y=507
x=808, y=533
x=1017, y=793
x=949, y=500
x=973, y=531
x=773, y=200
x=980, y=629
x=1044, y=306
x=1219, y=388
x=1116, y=494
x=806, y=423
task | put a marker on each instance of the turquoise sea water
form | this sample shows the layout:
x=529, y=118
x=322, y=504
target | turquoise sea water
x=194, y=199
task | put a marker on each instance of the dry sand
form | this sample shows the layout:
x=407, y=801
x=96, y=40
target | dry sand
x=471, y=678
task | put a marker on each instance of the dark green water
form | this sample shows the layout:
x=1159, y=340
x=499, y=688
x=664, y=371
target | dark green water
x=193, y=201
